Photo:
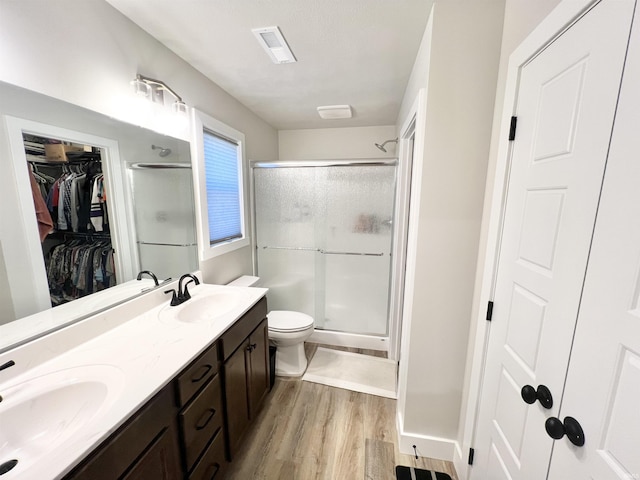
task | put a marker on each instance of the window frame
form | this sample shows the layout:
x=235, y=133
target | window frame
x=201, y=122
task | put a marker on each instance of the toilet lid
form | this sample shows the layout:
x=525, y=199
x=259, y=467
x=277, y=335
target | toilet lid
x=286, y=321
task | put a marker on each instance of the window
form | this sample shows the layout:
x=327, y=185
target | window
x=223, y=191
x=219, y=161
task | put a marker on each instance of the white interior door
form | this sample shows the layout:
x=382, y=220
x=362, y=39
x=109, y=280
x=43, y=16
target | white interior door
x=603, y=383
x=565, y=106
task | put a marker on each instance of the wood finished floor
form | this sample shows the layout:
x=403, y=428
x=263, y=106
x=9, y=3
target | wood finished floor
x=310, y=431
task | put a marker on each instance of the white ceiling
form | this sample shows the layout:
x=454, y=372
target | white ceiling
x=356, y=52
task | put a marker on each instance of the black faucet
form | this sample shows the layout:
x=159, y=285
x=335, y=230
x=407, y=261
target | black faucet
x=155, y=279
x=183, y=294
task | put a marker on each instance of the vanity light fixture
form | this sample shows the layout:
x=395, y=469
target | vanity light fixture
x=141, y=88
x=154, y=89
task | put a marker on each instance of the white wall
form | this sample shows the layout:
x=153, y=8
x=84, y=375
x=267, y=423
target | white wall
x=336, y=143
x=458, y=68
x=520, y=18
x=86, y=53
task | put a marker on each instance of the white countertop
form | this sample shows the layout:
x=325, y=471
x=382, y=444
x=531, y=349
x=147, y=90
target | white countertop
x=26, y=328
x=145, y=353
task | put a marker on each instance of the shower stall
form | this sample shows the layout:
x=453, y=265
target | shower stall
x=324, y=234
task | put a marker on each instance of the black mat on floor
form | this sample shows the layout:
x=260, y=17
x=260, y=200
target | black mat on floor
x=404, y=473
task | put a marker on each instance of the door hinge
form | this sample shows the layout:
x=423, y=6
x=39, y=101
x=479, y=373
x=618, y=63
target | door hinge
x=489, y=311
x=512, y=128
x=471, y=454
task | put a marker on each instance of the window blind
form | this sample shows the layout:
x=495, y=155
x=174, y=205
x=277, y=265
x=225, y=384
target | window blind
x=223, y=188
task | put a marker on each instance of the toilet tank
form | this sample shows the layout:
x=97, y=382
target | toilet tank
x=245, y=281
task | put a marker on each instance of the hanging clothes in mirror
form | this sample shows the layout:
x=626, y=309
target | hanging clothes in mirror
x=45, y=222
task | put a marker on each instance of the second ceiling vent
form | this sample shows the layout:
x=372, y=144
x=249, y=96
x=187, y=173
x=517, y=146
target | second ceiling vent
x=274, y=44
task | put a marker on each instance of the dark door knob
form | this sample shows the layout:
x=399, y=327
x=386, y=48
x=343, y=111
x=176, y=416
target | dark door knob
x=570, y=427
x=542, y=394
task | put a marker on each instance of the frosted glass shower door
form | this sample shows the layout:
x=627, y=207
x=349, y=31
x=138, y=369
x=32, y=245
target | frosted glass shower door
x=357, y=248
x=286, y=207
x=324, y=240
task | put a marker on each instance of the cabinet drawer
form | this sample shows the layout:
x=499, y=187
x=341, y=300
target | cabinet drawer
x=200, y=421
x=197, y=374
x=213, y=463
x=240, y=330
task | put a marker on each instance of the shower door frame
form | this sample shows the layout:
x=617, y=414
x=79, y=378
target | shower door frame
x=396, y=285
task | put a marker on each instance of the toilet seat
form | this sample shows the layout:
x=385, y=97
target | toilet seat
x=284, y=321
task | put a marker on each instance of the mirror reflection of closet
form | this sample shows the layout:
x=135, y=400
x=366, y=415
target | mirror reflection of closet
x=70, y=198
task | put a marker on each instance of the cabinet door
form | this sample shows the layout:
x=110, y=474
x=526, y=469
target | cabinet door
x=146, y=447
x=158, y=462
x=258, y=378
x=235, y=382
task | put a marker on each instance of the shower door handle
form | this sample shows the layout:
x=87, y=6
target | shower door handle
x=325, y=252
x=304, y=249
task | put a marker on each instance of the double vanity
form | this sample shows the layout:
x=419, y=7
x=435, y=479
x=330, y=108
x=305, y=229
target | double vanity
x=144, y=390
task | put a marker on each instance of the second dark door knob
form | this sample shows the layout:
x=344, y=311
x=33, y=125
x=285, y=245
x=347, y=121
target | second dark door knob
x=542, y=394
x=570, y=427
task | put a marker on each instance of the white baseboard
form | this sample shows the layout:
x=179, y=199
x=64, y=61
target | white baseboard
x=352, y=340
x=426, y=445
x=460, y=463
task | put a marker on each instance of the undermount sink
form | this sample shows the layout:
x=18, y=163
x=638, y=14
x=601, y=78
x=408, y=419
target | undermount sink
x=207, y=303
x=39, y=414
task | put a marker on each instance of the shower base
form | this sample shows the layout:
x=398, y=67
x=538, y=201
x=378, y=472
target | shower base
x=353, y=340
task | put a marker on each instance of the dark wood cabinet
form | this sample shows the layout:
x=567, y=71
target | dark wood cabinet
x=258, y=371
x=245, y=350
x=236, y=396
x=145, y=447
x=211, y=465
x=158, y=462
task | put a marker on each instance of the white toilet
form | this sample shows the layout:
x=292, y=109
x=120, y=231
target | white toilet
x=287, y=331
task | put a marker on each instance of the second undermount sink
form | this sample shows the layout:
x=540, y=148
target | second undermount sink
x=207, y=303
x=40, y=414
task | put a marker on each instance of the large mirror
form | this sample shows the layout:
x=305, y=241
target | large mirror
x=87, y=202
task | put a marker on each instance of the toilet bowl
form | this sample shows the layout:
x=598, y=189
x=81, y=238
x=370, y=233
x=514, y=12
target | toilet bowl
x=287, y=331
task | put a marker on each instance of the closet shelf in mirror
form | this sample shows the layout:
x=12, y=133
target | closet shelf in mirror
x=42, y=160
x=79, y=160
x=79, y=235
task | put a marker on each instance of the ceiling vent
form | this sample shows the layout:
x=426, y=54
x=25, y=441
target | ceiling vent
x=274, y=44
x=332, y=112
